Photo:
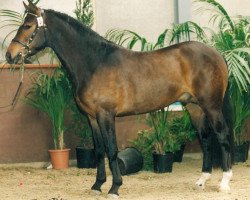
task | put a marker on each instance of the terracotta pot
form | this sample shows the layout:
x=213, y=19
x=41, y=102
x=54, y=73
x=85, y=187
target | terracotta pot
x=59, y=158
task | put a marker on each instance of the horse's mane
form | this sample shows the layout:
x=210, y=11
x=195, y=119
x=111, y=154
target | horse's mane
x=78, y=26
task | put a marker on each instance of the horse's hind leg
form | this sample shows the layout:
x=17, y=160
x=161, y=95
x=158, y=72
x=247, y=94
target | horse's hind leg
x=99, y=153
x=201, y=124
x=106, y=122
x=221, y=130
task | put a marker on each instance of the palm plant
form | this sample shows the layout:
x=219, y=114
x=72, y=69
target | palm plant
x=160, y=138
x=164, y=139
x=241, y=111
x=51, y=95
x=182, y=126
x=179, y=32
x=232, y=40
x=84, y=12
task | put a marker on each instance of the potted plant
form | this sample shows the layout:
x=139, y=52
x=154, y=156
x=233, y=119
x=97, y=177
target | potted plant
x=241, y=112
x=51, y=95
x=158, y=143
x=85, y=154
x=165, y=142
x=183, y=128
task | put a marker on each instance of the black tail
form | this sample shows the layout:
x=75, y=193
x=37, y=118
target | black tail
x=228, y=116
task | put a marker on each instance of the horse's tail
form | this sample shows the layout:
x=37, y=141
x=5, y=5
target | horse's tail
x=228, y=114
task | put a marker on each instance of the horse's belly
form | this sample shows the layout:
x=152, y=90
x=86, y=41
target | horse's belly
x=143, y=105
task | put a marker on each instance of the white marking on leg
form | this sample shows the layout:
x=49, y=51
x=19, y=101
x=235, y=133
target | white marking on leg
x=113, y=196
x=200, y=184
x=224, y=184
x=96, y=192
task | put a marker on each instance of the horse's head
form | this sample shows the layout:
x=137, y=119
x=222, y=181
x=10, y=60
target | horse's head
x=30, y=37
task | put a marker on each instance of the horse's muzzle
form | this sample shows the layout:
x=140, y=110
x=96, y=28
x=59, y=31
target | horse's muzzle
x=12, y=60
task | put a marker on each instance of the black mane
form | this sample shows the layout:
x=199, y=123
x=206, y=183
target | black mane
x=78, y=26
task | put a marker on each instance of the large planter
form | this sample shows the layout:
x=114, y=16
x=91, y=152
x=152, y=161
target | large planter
x=130, y=161
x=241, y=152
x=163, y=163
x=59, y=158
x=85, y=158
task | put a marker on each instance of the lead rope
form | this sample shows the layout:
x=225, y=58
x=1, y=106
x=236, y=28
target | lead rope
x=14, y=100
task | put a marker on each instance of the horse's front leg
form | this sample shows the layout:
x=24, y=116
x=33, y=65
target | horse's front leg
x=206, y=144
x=100, y=154
x=106, y=122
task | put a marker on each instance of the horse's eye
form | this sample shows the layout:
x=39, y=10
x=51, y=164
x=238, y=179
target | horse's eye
x=26, y=27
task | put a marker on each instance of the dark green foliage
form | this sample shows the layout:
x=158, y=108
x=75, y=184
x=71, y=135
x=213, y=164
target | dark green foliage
x=80, y=126
x=241, y=112
x=164, y=139
x=183, y=128
x=51, y=95
x=84, y=12
x=164, y=135
x=144, y=143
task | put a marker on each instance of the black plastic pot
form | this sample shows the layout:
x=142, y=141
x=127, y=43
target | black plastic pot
x=130, y=161
x=178, y=155
x=85, y=158
x=163, y=163
x=241, y=152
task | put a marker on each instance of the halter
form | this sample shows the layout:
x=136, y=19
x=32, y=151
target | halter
x=40, y=23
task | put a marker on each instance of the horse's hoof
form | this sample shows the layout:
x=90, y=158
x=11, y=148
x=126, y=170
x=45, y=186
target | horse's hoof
x=224, y=185
x=199, y=186
x=224, y=188
x=113, y=196
x=96, y=192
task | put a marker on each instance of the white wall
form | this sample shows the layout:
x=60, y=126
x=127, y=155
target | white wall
x=145, y=17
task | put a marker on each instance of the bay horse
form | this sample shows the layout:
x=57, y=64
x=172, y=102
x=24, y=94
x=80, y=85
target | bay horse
x=110, y=81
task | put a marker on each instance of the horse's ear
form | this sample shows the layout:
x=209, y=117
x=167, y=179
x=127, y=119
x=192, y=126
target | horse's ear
x=31, y=7
x=25, y=6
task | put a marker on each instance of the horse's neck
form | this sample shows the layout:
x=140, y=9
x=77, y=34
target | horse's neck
x=76, y=52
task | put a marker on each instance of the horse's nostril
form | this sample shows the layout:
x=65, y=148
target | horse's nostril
x=8, y=57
